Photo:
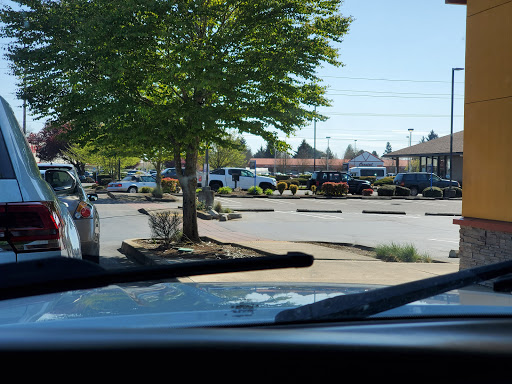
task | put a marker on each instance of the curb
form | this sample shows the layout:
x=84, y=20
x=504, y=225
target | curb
x=441, y=214
x=320, y=210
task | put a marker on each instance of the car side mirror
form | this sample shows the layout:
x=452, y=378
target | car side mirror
x=61, y=181
x=92, y=196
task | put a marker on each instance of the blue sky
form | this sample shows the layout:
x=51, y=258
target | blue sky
x=398, y=57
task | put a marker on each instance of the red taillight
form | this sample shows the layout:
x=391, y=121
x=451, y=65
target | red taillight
x=30, y=227
x=317, y=183
x=118, y=185
x=83, y=210
x=402, y=184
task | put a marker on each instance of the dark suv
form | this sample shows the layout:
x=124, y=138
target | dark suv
x=355, y=186
x=418, y=181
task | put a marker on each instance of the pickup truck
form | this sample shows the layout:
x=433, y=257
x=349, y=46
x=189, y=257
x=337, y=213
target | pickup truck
x=238, y=177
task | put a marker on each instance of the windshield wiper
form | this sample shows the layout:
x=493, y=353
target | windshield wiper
x=361, y=305
x=60, y=274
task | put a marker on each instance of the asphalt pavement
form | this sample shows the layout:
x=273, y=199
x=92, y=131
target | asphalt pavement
x=330, y=265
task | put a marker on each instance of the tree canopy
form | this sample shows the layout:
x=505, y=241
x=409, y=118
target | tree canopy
x=182, y=72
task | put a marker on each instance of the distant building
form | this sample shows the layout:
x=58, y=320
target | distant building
x=434, y=155
x=289, y=165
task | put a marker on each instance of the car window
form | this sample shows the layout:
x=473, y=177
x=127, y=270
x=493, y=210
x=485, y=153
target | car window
x=247, y=173
x=335, y=177
x=218, y=172
x=422, y=177
x=6, y=170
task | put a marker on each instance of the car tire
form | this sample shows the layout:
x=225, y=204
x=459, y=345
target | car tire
x=265, y=186
x=414, y=191
x=132, y=190
x=215, y=185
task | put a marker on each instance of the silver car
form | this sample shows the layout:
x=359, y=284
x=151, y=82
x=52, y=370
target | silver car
x=80, y=206
x=34, y=223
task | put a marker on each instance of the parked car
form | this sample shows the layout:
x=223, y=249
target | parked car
x=80, y=206
x=238, y=177
x=171, y=172
x=418, y=181
x=355, y=186
x=34, y=223
x=132, y=184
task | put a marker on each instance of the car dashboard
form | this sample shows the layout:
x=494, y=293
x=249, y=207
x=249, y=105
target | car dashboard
x=400, y=350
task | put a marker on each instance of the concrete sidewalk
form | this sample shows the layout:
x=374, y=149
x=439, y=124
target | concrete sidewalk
x=331, y=265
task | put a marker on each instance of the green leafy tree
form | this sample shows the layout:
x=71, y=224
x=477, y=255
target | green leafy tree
x=187, y=70
x=232, y=153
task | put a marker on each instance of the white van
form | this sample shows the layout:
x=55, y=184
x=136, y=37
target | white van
x=378, y=172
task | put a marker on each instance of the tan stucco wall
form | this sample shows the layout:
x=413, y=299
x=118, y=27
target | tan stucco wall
x=487, y=178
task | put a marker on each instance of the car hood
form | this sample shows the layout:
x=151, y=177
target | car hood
x=175, y=304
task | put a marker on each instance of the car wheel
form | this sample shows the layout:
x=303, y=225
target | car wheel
x=414, y=191
x=265, y=186
x=215, y=185
x=132, y=190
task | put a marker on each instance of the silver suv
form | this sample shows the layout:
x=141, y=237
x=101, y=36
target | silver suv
x=79, y=205
x=34, y=223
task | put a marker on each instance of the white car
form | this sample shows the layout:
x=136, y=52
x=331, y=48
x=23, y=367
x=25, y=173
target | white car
x=132, y=184
x=34, y=223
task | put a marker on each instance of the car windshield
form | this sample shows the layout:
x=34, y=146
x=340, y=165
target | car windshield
x=266, y=107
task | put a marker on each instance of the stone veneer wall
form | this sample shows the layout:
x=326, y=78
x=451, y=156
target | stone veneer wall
x=479, y=246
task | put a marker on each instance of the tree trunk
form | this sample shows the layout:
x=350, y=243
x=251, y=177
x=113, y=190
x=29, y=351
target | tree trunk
x=188, y=182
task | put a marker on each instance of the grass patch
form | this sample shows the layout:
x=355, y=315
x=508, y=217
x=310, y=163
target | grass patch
x=401, y=253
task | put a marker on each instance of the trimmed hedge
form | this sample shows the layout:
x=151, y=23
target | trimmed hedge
x=386, y=190
x=334, y=189
x=170, y=185
x=458, y=191
x=402, y=191
x=384, y=181
x=432, y=192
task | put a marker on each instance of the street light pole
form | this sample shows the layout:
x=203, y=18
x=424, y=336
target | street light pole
x=451, y=130
x=410, y=141
x=314, y=144
x=328, y=150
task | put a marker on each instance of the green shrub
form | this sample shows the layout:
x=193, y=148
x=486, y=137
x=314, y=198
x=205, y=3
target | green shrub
x=401, y=253
x=268, y=192
x=371, y=179
x=293, y=188
x=458, y=191
x=281, y=186
x=157, y=192
x=224, y=190
x=146, y=190
x=386, y=190
x=432, y=192
x=367, y=192
x=255, y=190
x=402, y=191
x=384, y=181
